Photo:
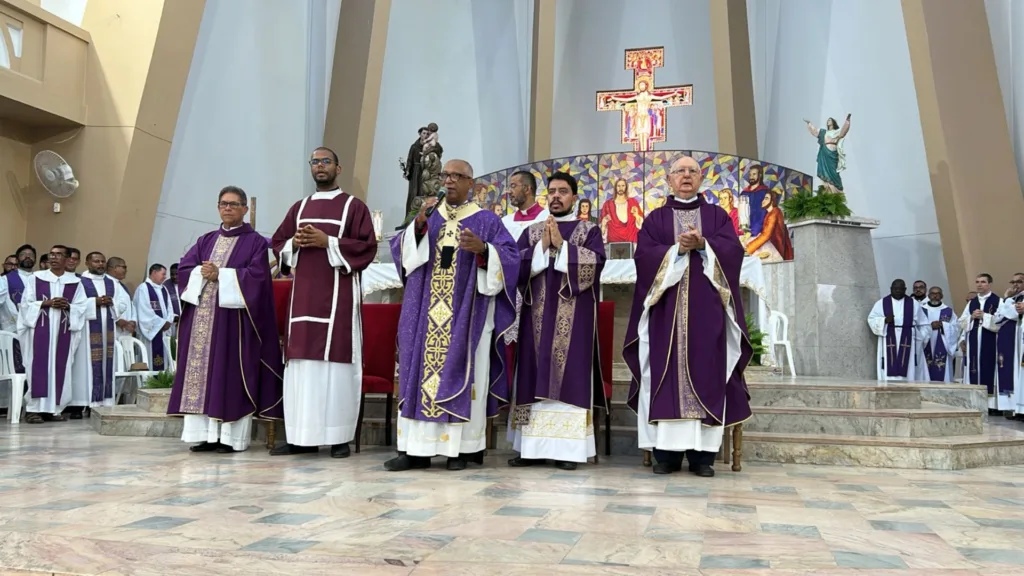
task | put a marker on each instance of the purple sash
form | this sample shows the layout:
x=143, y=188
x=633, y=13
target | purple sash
x=15, y=286
x=101, y=344
x=937, y=360
x=982, y=362
x=172, y=295
x=157, y=344
x=897, y=354
x=1006, y=365
x=41, y=344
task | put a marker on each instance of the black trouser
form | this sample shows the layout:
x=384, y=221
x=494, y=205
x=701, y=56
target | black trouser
x=694, y=457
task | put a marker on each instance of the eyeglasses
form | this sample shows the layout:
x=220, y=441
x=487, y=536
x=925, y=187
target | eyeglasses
x=57, y=255
x=321, y=162
x=686, y=170
x=453, y=175
x=226, y=205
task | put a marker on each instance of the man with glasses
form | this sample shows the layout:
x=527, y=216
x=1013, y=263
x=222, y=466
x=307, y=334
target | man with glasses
x=1008, y=344
x=229, y=359
x=118, y=270
x=72, y=261
x=10, y=264
x=326, y=240
x=460, y=267
x=50, y=322
x=155, y=318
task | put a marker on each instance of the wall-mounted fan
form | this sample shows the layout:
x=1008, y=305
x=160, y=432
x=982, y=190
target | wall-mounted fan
x=55, y=174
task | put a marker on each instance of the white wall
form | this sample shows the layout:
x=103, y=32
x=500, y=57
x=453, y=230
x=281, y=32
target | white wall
x=591, y=38
x=1006, y=24
x=464, y=65
x=71, y=10
x=819, y=58
x=254, y=107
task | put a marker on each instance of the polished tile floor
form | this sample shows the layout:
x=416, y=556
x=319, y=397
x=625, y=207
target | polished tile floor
x=77, y=503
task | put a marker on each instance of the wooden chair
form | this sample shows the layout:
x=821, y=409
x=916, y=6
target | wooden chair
x=605, y=347
x=380, y=340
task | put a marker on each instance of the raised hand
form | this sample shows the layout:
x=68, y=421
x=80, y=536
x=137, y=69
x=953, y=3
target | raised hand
x=471, y=242
x=421, y=216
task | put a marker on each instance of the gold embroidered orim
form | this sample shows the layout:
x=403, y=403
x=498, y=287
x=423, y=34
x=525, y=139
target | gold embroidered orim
x=689, y=405
x=193, y=394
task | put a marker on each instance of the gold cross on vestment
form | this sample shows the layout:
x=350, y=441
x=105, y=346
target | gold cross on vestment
x=643, y=108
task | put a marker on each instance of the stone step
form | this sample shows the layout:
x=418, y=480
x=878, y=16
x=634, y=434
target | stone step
x=934, y=421
x=994, y=447
x=130, y=420
x=153, y=400
x=785, y=394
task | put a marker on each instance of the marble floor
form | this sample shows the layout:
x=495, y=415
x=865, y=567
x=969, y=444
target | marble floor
x=73, y=502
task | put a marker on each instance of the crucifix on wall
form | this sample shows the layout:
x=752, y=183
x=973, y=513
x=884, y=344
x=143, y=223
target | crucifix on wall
x=643, y=108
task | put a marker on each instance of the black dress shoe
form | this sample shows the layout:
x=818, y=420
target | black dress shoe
x=520, y=462
x=225, y=449
x=290, y=449
x=475, y=457
x=456, y=463
x=705, y=471
x=340, y=451
x=562, y=465
x=76, y=415
x=405, y=462
x=666, y=468
x=204, y=447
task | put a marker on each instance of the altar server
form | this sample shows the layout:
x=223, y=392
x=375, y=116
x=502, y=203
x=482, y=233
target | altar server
x=902, y=328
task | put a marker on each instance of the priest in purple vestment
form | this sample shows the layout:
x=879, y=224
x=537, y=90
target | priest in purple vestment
x=558, y=373
x=902, y=327
x=1009, y=343
x=460, y=266
x=686, y=342
x=980, y=323
x=229, y=357
x=50, y=322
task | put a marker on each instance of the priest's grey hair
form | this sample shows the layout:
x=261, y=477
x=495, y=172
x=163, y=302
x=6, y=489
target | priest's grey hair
x=234, y=190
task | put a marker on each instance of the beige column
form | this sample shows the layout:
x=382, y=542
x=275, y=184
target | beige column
x=978, y=201
x=355, y=89
x=542, y=79
x=734, y=85
x=139, y=60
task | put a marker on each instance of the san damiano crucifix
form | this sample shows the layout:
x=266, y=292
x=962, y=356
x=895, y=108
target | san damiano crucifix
x=643, y=108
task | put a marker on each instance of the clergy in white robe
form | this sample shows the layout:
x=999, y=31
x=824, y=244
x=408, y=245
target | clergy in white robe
x=325, y=240
x=901, y=326
x=944, y=335
x=118, y=269
x=155, y=319
x=50, y=322
x=1010, y=316
x=8, y=311
x=980, y=325
x=106, y=304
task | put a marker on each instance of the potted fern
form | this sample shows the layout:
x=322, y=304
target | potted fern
x=808, y=205
x=163, y=379
x=756, y=340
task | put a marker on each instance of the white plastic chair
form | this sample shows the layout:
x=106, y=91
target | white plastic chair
x=7, y=373
x=778, y=335
x=128, y=351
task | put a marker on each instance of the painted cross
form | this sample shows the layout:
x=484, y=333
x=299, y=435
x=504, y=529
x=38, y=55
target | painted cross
x=643, y=108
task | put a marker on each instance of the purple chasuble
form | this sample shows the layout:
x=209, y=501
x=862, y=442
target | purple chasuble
x=937, y=358
x=983, y=370
x=443, y=316
x=557, y=351
x=101, y=344
x=158, y=342
x=687, y=324
x=897, y=352
x=41, y=343
x=229, y=360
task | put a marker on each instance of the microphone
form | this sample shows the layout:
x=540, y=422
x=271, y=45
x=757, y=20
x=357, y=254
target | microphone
x=440, y=198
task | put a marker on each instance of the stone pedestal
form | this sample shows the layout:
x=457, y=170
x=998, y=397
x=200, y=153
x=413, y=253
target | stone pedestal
x=835, y=286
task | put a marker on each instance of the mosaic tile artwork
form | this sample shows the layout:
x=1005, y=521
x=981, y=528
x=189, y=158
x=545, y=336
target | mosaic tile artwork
x=491, y=192
x=73, y=502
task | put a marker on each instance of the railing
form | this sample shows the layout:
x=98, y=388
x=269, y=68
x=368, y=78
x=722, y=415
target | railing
x=42, y=65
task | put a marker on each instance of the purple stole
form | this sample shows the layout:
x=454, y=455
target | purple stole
x=172, y=295
x=1005, y=345
x=102, y=364
x=157, y=344
x=16, y=287
x=897, y=354
x=983, y=370
x=41, y=344
x=937, y=360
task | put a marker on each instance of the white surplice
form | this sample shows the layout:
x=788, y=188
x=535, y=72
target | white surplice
x=81, y=374
x=1007, y=311
x=920, y=326
x=690, y=434
x=422, y=438
x=129, y=315
x=74, y=319
x=150, y=324
x=557, y=431
x=950, y=335
x=200, y=427
x=321, y=398
x=517, y=227
x=992, y=323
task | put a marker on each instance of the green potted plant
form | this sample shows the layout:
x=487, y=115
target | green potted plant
x=756, y=340
x=163, y=379
x=806, y=205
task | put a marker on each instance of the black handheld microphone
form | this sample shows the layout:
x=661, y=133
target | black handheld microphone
x=440, y=198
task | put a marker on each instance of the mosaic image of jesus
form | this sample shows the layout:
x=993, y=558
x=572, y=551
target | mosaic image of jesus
x=621, y=215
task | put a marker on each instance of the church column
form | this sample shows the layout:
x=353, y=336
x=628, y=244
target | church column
x=138, y=63
x=734, y=85
x=978, y=201
x=542, y=79
x=355, y=89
